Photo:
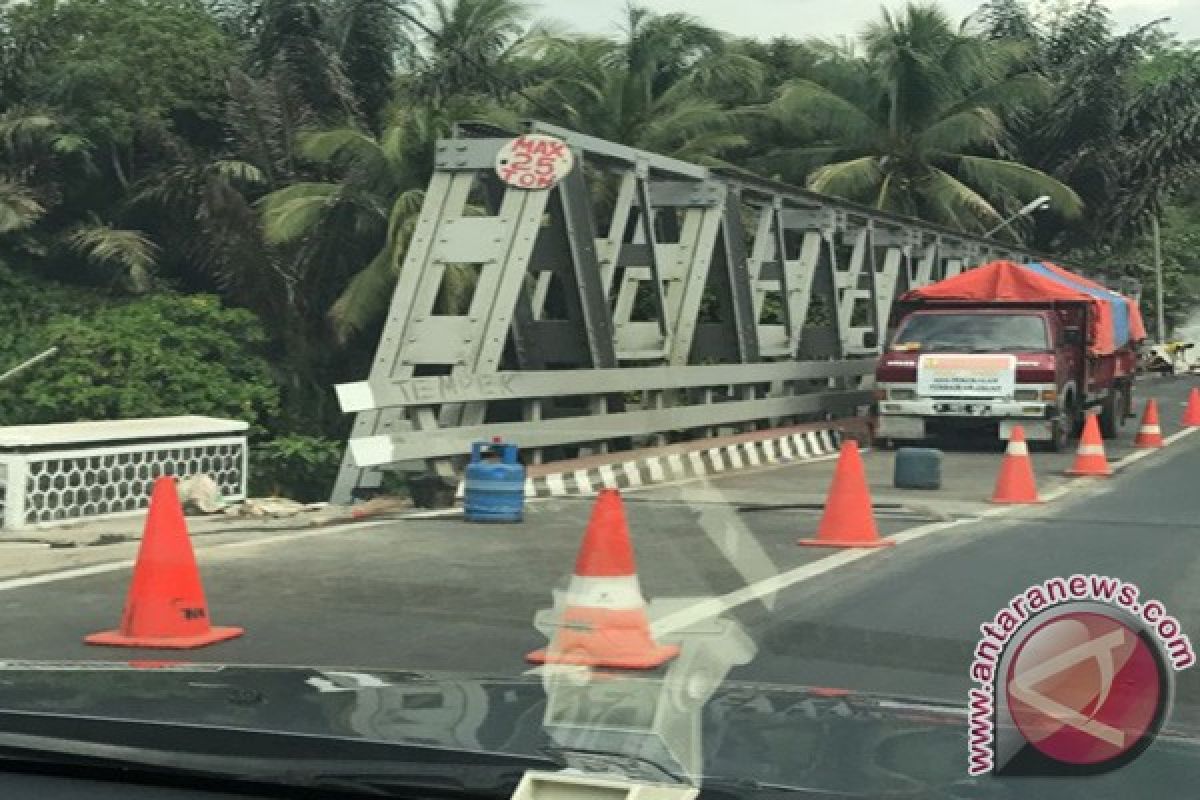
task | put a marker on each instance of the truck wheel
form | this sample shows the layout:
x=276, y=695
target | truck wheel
x=1112, y=415
x=1060, y=434
x=1127, y=401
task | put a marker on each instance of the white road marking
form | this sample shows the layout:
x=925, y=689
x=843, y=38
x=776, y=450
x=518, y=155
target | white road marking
x=64, y=575
x=436, y=513
x=715, y=606
x=672, y=622
x=1175, y=437
x=113, y=566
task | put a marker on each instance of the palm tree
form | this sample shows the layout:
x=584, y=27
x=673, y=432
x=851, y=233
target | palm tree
x=1123, y=123
x=18, y=207
x=470, y=47
x=131, y=252
x=340, y=55
x=351, y=225
x=654, y=88
x=36, y=156
x=367, y=36
x=357, y=224
x=928, y=136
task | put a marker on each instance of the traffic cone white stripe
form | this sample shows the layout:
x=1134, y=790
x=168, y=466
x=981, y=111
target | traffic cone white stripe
x=1091, y=450
x=620, y=593
x=1018, y=449
x=1151, y=429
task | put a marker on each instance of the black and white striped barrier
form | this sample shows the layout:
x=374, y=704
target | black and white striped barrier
x=700, y=463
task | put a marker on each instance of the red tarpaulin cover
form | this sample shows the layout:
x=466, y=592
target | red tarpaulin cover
x=1116, y=319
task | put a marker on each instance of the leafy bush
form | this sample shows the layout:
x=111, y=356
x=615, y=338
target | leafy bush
x=296, y=466
x=155, y=356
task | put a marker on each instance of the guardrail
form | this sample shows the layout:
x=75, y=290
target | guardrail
x=668, y=399
x=625, y=271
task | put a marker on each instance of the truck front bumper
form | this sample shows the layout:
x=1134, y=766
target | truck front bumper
x=917, y=419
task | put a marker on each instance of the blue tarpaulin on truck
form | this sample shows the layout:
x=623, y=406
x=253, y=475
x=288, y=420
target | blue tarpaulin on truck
x=1116, y=321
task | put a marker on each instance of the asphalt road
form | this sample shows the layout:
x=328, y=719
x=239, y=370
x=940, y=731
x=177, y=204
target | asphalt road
x=442, y=594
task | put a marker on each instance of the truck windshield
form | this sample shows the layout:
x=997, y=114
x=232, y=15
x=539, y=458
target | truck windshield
x=973, y=333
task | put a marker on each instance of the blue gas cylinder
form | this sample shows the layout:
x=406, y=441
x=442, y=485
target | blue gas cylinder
x=494, y=486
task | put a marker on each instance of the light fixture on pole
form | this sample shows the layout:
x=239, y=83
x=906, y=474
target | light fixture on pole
x=1039, y=204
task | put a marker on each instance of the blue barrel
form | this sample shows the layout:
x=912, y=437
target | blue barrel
x=494, y=487
x=918, y=468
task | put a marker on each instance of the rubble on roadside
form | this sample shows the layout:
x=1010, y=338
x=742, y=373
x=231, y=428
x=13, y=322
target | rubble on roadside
x=200, y=495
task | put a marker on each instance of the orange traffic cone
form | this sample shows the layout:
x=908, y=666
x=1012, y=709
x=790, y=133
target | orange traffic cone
x=605, y=623
x=1191, y=415
x=1089, y=458
x=165, y=606
x=848, y=520
x=1149, y=435
x=1015, y=484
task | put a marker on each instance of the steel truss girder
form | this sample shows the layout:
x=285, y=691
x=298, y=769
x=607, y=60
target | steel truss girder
x=634, y=261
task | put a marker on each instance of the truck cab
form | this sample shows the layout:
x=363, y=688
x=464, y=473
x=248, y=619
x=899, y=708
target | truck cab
x=977, y=366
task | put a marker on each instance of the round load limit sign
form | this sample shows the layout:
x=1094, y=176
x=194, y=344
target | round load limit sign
x=534, y=161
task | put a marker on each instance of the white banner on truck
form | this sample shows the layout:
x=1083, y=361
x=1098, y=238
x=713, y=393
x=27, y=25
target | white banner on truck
x=966, y=375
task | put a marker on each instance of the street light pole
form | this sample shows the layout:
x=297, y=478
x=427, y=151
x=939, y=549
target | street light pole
x=1040, y=204
x=1161, y=316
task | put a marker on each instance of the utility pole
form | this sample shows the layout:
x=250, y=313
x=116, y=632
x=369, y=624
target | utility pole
x=1158, y=281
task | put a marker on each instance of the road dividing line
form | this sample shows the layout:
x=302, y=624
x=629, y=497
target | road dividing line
x=715, y=606
x=1175, y=437
x=1138, y=455
x=768, y=587
x=64, y=575
x=114, y=566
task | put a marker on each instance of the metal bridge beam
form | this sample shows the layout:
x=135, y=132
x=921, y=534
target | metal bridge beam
x=636, y=266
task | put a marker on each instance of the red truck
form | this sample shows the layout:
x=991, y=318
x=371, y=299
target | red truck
x=1007, y=344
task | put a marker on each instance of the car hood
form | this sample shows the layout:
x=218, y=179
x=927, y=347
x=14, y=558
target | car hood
x=817, y=739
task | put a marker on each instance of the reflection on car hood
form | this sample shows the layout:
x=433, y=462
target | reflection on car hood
x=791, y=736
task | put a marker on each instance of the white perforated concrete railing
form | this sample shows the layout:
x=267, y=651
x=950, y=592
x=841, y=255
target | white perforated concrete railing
x=58, y=473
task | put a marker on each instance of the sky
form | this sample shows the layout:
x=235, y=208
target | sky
x=800, y=18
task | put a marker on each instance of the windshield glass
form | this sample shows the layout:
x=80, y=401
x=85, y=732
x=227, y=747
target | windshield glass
x=973, y=333
x=443, y=381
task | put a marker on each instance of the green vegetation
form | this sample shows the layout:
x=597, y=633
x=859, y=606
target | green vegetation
x=294, y=465
x=160, y=355
x=205, y=203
